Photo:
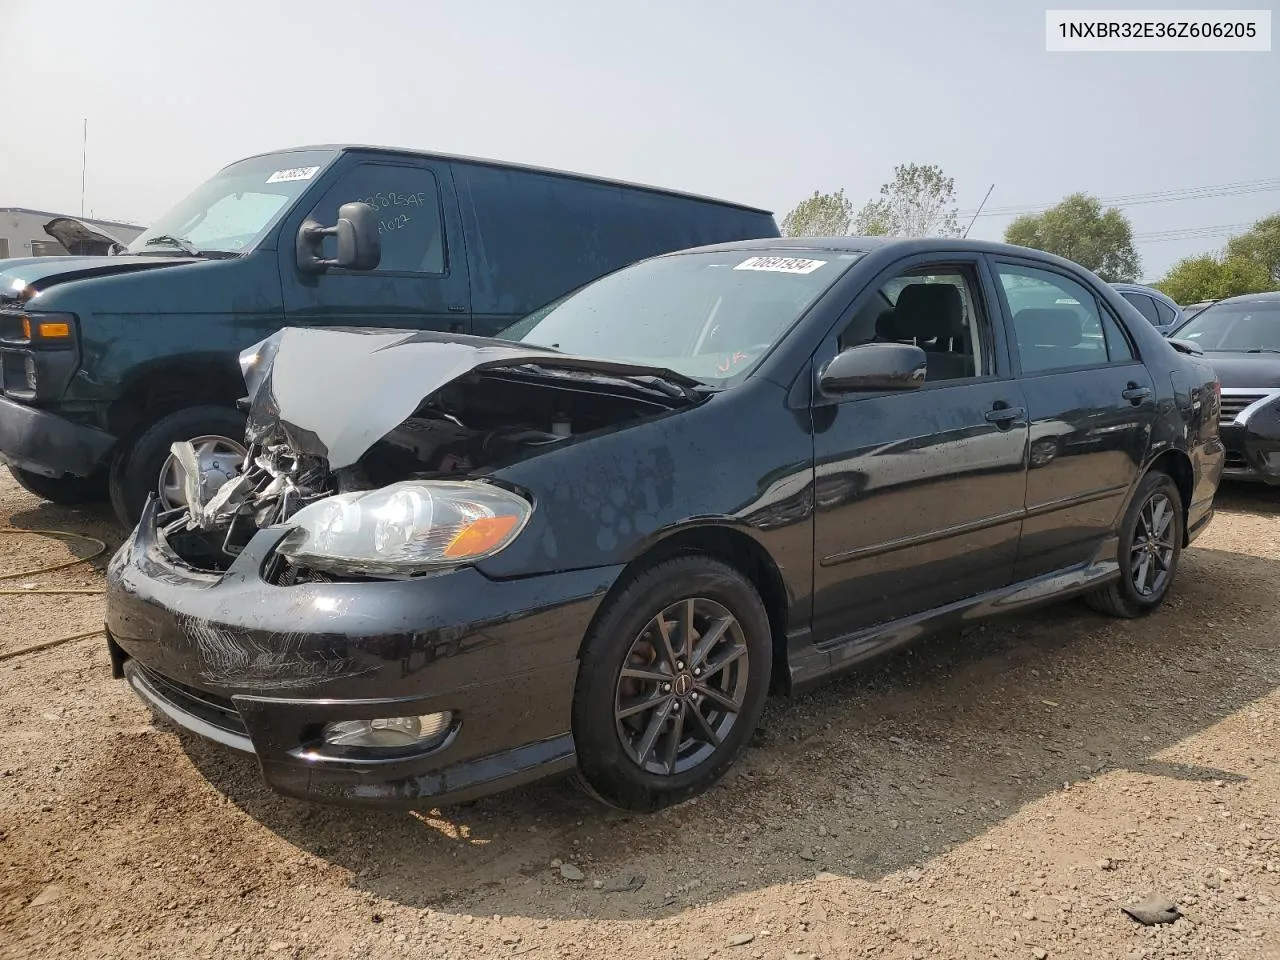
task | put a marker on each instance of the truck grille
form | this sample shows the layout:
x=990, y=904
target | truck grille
x=1234, y=403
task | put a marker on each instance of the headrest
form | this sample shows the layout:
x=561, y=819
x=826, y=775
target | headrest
x=928, y=310
x=887, y=327
x=1048, y=327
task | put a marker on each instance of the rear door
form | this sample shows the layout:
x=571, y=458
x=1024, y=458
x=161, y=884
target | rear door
x=1092, y=406
x=421, y=282
x=918, y=494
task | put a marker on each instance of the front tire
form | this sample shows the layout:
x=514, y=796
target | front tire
x=66, y=491
x=136, y=471
x=1150, y=546
x=672, y=682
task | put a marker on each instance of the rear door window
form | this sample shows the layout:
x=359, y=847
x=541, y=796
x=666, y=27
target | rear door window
x=1057, y=322
x=1166, y=313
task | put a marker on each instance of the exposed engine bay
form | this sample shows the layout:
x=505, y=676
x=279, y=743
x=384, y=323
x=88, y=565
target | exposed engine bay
x=471, y=425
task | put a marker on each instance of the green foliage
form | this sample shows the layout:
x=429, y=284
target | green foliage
x=1260, y=246
x=1078, y=229
x=1213, y=277
x=920, y=201
x=822, y=215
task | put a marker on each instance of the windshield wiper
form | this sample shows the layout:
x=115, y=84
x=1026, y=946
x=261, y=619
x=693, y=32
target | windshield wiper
x=183, y=244
x=1263, y=350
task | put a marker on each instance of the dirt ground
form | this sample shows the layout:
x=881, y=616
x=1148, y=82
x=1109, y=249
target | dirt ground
x=997, y=793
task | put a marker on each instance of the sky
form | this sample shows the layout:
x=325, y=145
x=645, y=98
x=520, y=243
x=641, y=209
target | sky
x=754, y=101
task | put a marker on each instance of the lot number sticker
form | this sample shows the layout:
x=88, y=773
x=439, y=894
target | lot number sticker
x=293, y=173
x=780, y=264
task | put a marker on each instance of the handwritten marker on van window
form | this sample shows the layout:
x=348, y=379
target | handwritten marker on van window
x=780, y=264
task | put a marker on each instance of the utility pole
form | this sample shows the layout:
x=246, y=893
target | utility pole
x=84, y=157
x=975, y=213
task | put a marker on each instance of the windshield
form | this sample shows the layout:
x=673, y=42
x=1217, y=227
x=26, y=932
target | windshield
x=710, y=316
x=230, y=212
x=1235, y=327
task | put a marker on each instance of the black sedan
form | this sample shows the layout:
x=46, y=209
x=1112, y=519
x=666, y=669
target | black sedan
x=1240, y=338
x=454, y=564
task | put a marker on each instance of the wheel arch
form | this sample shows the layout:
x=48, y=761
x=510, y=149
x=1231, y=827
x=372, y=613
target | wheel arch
x=730, y=544
x=171, y=384
x=1177, y=465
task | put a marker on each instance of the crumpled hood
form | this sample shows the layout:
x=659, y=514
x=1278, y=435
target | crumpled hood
x=1260, y=370
x=22, y=278
x=334, y=393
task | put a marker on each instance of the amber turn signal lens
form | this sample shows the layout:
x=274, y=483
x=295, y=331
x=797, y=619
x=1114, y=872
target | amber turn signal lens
x=26, y=329
x=480, y=536
x=53, y=331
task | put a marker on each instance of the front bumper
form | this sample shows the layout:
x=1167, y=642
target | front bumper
x=1252, y=436
x=262, y=668
x=43, y=443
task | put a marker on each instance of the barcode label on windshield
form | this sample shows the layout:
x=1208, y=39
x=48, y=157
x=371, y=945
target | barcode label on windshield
x=780, y=264
x=293, y=173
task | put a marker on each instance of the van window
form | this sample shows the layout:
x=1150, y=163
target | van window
x=532, y=236
x=407, y=202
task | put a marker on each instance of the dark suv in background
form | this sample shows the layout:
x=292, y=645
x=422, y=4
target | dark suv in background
x=105, y=362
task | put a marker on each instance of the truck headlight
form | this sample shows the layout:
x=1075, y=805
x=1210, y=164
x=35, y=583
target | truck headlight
x=30, y=366
x=409, y=527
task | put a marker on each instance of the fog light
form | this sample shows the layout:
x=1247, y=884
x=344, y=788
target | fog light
x=31, y=372
x=389, y=731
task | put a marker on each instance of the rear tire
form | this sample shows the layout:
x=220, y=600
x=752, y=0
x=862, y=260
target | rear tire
x=634, y=748
x=135, y=472
x=67, y=491
x=1150, y=546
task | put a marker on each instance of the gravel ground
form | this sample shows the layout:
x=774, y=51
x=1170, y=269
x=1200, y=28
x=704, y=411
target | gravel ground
x=997, y=793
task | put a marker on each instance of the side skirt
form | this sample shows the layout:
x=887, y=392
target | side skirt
x=810, y=662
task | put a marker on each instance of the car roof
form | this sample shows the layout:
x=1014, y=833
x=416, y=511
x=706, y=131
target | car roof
x=507, y=165
x=1271, y=296
x=904, y=246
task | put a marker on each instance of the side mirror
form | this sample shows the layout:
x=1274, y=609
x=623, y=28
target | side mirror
x=1186, y=346
x=874, y=367
x=359, y=246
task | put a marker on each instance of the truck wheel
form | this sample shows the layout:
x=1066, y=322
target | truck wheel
x=68, y=490
x=146, y=466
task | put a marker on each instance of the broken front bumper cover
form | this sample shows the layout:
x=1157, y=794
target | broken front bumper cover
x=263, y=668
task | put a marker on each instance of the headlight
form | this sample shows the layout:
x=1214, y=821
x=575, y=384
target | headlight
x=409, y=527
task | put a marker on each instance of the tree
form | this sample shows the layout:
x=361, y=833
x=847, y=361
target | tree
x=920, y=201
x=1078, y=229
x=1260, y=245
x=1213, y=277
x=822, y=215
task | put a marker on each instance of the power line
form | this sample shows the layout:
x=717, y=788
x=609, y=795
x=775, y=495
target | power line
x=1191, y=233
x=1238, y=188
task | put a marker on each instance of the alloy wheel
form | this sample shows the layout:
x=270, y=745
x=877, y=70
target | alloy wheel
x=1151, y=554
x=682, y=686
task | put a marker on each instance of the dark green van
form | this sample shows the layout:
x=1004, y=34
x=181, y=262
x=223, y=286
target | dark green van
x=107, y=361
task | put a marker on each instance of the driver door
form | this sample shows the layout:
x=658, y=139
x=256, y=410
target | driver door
x=421, y=282
x=919, y=494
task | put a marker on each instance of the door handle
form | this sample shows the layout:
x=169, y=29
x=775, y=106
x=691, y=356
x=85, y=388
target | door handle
x=1003, y=415
x=1135, y=393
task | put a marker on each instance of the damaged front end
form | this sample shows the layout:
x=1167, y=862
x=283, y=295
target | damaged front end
x=377, y=446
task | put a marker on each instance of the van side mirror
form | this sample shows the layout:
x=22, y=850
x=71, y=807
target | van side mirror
x=359, y=246
x=874, y=367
